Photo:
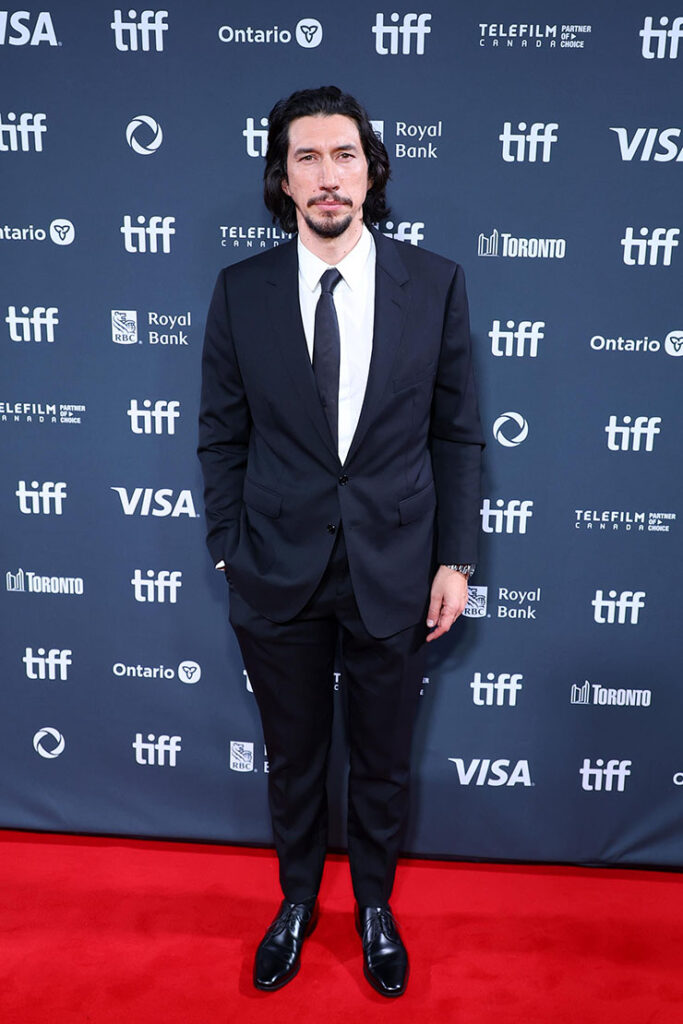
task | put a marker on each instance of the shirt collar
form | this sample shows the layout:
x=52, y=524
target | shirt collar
x=352, y=268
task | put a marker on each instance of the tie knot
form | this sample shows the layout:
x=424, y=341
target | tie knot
x=330, y=280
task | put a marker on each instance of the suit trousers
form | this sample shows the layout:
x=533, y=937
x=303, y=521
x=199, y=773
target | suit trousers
x=290, y=667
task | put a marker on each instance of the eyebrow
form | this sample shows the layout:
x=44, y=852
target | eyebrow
x=302, y=150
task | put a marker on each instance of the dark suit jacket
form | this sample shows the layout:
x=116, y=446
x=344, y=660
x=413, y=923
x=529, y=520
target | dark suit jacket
x=275, y=490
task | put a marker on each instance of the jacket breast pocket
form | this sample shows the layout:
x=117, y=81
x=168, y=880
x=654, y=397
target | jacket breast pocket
x=262, y=499
x=417, y=506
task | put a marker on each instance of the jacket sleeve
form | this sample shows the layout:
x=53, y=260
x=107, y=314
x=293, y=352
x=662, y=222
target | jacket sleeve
x=224, y=429
x=456, y=438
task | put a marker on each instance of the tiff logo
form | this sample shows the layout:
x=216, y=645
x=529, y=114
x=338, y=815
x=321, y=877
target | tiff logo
x=29, y=325
x=662, y=240
x=138, y=35
x=46, y=665
x=42, y=498
x=513, y=341
x=615, y=608
x=406, y=231
x=504, y=518
x=539, y=136
x=496, y=689
x=626, y=438
x=661, y=35
x=157, y=586
x=387, y=36
x=155, y=749
x=15, y=136
x=146, y=239
x=158, y=419
x=603, y=776
x=256, y=138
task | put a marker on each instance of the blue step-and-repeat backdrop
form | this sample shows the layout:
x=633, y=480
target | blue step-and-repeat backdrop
x=538, y=144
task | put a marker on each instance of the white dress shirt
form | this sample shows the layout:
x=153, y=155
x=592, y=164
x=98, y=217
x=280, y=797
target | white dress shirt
x=354, y=301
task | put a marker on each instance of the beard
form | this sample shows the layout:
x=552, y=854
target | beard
x=328, y=227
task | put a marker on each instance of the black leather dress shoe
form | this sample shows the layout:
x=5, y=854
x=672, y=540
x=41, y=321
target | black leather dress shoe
x=385, y=960
x=277, y=958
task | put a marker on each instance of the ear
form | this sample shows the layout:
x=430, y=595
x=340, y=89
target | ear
x=285, y=187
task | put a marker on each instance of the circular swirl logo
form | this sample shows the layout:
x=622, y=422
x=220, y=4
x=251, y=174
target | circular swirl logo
x=504, y=427
x=52, y=749
x=142, y=124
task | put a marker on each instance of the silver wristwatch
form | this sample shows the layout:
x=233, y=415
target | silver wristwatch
x=465, y=568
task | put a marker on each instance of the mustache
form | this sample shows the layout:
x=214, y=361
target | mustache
x=330, y=197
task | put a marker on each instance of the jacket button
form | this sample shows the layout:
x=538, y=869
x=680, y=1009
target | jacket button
x=331, y=528
x=343, y=479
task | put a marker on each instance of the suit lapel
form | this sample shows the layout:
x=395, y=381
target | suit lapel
x=284, y=309
x=391, y=303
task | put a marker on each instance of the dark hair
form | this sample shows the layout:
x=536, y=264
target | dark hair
x=327, y=100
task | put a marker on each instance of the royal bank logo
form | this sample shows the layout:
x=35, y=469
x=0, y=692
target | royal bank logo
x=35, y=323
x=156, y=750
x=23, y=581
x=404, y=231
x=623, y=520
x=60, y=231
x=157, y=587
x=49, y=742
x=659, y=144
x=525, y=35
x=241, y=756
x=397, y=36
x=144, y=135
x=416, y=139
x=510, y=429
x=506, y=517
x=632, y=435
x=653, y=243
x=502, y=243
x=41, y=499
x=618, y=608
x=21, y=28
x=124, y=326
x=162, y=502
x=308, y=33
x=22, y=133
x=518, y=339
x=517, y=604
x=153, y=417
x=145, y=33
x=528, y=142
x=477, y=600
x=604, y=777
x=665, y=39
x=148, y=237
x=607, y=696
x=484, y=771
x=496, y=690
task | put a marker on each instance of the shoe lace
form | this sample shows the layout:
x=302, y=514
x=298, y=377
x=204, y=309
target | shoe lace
x=290, y=914
x=380, y=923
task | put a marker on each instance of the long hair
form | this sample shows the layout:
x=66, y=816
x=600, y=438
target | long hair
x=304, y=103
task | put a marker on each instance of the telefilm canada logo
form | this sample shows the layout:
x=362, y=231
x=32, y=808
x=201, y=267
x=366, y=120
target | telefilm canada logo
x=251, y=236
x=60, y=231
x=308, y=33
x=623, y=521
x=528, y=36
x=165, y=330
x=68, y=413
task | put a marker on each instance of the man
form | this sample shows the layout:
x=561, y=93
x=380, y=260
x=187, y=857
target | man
x=341, y=446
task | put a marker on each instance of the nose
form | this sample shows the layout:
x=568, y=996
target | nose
x=328, y=177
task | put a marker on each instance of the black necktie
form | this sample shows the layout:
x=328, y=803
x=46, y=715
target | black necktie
x=326, y=350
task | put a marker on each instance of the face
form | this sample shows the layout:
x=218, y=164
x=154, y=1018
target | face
x=327, y=173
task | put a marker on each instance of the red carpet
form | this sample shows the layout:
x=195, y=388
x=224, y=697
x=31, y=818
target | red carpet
x=106, y=930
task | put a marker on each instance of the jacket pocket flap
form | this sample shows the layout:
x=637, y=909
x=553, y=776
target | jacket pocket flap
x=261, y=499
x=417, y=505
